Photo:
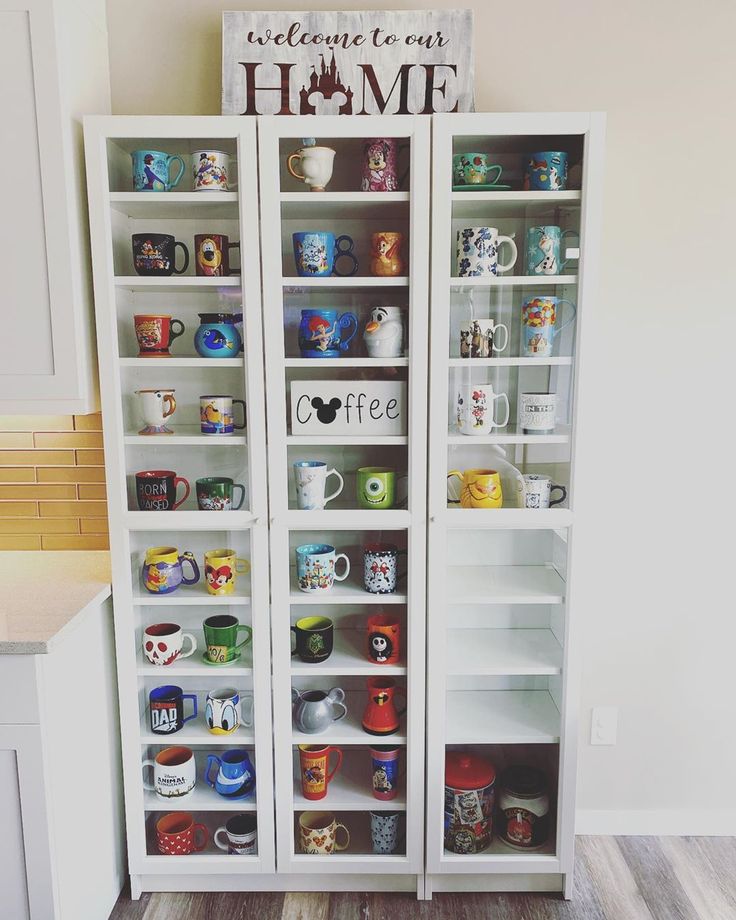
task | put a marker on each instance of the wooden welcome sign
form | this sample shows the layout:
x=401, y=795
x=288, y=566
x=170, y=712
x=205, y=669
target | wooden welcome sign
x=360, y=407
x=373, y=62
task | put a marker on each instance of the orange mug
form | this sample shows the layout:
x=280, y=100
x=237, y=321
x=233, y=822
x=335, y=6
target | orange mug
x=176, y=834
x=383, y=639
x=155, y=332
x=313, y=764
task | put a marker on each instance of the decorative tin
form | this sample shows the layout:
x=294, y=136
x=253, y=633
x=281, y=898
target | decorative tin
x=523, y=808
x=469, y=799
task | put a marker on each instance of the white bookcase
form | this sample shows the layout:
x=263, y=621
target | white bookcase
x=116, y=212
x=502, y=639
x=287, y=207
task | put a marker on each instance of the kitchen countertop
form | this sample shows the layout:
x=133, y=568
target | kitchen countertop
x=44, y=595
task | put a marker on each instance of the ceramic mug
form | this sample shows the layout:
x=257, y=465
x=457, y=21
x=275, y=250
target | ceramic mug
x=545, y=171
x=478, y=338
x=317, y=252
x=163, y=643
x=236, y=775
x=224, y=711
x=381, y=715
x=385, y=831
x=380, y=165
x=156, y=490
x=217, y=336
x=210, y=169
x=537, y=412
x=480, y=488
x=314, y=637
x=176, y=834
x=154, y=255
x=316, y=565
x=314, y=769
x=383, y=639
x=155, y=407
x=315, y=710
x=155, y=332
x=216, y=414
x=316, y=165
x=538, y=491
x=473, y=169
x=380, y=567
x=543, y=245
x=166, y=709
x=318, y=831
x=386, y=258
x=376, y=487
x=384, y=333
x=163, y=569
x=174, y=772
x=215, y=493
x=477, y=252
x=221, y=637
x=538, y=319
x=320, y=333
x=212, y=255
x=310, y=477
x=221, y=566
x=241, y=835
x=151, y=170
x=384, y=772
x=475, y=409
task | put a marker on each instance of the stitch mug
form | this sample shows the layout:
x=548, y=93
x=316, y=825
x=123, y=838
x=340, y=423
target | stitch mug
x=318, y=833
x=316, y=565
x=376, y=487
x=236, y=775
x=477, y=252
x=212, y=255
x=241, y=834
x=216, y=493
x=155, y=407
x=320, y=333
x=216, y=414
x=210, y=170
x=163, y=569
x=537, y=412
x=156, y=490
x=221, y=566
x=151, y=170
x=473, y=169
x=478, y=338
x=224, y=711
x=480, y=488
x=176, y=835
x=166, y=709
x=317, y=252
x=314, y=637
x=545, y=171
x=314, y=769
x=538, y=491
x=380, y=567
x=543, y=246
x=310, y=477
x=221, y=637
x=538, y=319
x=163, y=643
x=316, y=165
x=155, y=332
x=174, y=772
x=475, y=409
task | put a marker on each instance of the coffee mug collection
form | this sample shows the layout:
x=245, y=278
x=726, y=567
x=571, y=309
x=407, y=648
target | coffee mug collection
x=152, y=170
x=163, y=570
x=154, y=255
x=217, y=335
x=321, y=834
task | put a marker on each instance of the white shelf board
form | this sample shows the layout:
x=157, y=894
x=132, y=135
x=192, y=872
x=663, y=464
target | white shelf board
x=498, y=652
x=346, y=362
x=512, y=434
x=471, y=363
x=194, y=666
x=345, y=440
x=358, y=858
x=337, y=281
x=212, y=862
x=184, y=436
x=487, y=281
x=187, y=520
x=350, y=591
x=511, y=204
x=183, y=205
x=504, y=584
x=174, y=361
x=350, y=790
x=201, y=798
x=195, y=733
x=499, y=518
x=188, y=597
x=349, y=730
x=342, y=205
x=501, y=717
x=348, y=518
x=499, y=857
x=349, y=657
x=174, y=283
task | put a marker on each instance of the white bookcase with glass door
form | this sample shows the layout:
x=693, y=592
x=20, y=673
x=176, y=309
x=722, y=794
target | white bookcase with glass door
x=288, y=207
x=502, y=638
x=116, y=213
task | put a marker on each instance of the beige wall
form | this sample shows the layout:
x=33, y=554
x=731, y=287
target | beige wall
x=655, y=542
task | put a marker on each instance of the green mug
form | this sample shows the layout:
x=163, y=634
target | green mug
x=221, y=635
x=376, y=486
x=215, y=493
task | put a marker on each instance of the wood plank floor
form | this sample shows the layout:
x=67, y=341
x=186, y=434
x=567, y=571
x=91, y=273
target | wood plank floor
x=616, y=878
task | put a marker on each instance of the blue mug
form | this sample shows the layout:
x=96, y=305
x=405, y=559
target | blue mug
x=315, y=567
x=217, y=336
x=166, y=708
x=236, y=775
x=545, y=171
x=319, y=333
x=317, y=252
x=543, y=245
x=151, y=170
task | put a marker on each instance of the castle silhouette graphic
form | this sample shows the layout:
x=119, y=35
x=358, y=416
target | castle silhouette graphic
x=326, y=83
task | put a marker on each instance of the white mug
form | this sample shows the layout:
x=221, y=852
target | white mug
x=538, y=491
x=174, y=772
x=163, y=643
x=384, y=333
x=478, y=338
x=210, y=171
x=316, y=165
x=475, y=408
x=477, y=252
x=241, y=835
x=155, y=407
x=310, y=477
x=537, y=412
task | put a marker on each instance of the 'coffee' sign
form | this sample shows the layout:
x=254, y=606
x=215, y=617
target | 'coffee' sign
x=374, y=62
x=336, y=407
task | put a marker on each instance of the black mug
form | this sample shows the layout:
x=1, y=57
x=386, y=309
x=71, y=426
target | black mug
x=166, y=705
x=314, y=637
x=156, y=490
x=155, y=254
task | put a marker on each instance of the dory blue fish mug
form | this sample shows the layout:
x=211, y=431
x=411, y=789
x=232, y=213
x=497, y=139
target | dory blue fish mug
x=320, y=333
x=151, y=170
x=316, y=253
x=543, y=247
x=545, y=171
x=217, y=336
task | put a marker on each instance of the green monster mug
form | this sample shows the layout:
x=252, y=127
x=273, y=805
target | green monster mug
x=221, y=635
x=376, y=487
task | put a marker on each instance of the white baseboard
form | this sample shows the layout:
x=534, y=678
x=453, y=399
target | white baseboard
x=665, y=823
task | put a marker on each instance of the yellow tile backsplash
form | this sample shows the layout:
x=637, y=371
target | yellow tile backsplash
x=52, y=483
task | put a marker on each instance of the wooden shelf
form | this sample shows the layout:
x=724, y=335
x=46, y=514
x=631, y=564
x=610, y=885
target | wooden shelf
x=201, y=798
x=498, y=652
x=349, y=730
x=176, y=205
x=350, y=591
x=350, y=790
x=526, y=281
x=504, y=584
x=184, y=436
x=501, y=717
x=348, y=658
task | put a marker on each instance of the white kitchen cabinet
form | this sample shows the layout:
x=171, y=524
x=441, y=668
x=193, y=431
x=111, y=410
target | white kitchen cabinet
x=53, y=70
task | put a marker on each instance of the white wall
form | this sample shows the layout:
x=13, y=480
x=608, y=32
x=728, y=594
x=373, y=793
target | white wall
x=655, y=544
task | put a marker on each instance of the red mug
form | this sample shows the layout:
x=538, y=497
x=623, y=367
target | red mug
x=381, y=717
x=383, y=639
x=155, y=332
x=156, y=490
x=212, y=254
x=313, y=766
x=176, y=834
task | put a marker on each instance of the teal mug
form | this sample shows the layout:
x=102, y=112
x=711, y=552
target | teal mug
x=543, y=250
x=151, y=170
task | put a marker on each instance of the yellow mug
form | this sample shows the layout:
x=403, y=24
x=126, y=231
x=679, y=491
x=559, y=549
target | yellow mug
x=220, y=568
x=480, y=489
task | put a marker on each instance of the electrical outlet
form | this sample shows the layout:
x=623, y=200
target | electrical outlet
x=603, y=725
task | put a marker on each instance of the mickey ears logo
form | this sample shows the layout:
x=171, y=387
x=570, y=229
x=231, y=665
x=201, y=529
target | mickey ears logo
x=326, y=413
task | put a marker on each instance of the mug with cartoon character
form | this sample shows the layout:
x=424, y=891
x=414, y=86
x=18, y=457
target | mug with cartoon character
x=384, y=771
x=221, y=637
x=156, y=490
x=479, y=338
x=156, y=406
x=316, y=164
x=317, y=253
x=163, y=569
x=376, y=487
x=473, y=169
x=155, y=332
x=310, y=478
x=316, y=565
x=380, y=165
x=210, y=170
x=221, y=567
x=381, y=567
x=151, y=170
x=545, y=171
x=177, y=834
x=224, y=711
x=216, y=414
x=480, y=488
x=212, y=255
x=154, y=254
x=475, y=409
x=314, y=769
x=217, y=493
x=163, y=643
x=386, y=258
x=383, y=639
x=538, y=324
x=320, y=333
x=318, y=831
x=313, y=638
x=543, y=248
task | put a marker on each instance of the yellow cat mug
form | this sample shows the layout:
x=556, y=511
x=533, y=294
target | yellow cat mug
x=480, y=488
x=221, y=566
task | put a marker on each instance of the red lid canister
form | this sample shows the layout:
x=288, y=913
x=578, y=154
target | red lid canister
x=467, y=771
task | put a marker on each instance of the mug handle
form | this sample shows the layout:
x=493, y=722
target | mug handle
x=182, y=167
x=238, y=485
x=146, y=785
x=295, y=174
x=505, y=341
x=346, y=253
x=180, y=271
x=242, y=566
x=337, y=491
x=187, y=490
x=505, y=422
x=557, y=501
x=173, y=334
x=556, y=332
x=189, y=557
x=211, y=759
x=247, y=638
x=344, y=846
x=236, y=245
x=337, y=765
x=507, y=265
x=192, y=650
x=456, y=473
x=170, y=403
x=240, y=402
x=222, y=846
x=347, y=567
x=293, y=652
x=499, y=170
x=205, y=837
x=248, y=723
x=193, y=698
x=565, y=233
x=344, y=322
x=336, y=695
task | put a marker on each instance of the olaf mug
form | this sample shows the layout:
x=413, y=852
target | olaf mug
x=475, y=409
x=163, y=643
x=538, y=491
x=166, y=709
x=537, y=412
x=543, y=247
x=241, y=836
x=477, y=252
x=545, y=171
x=316, y=165
x=478, y=338
x=174, y=772
x=310, y=477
